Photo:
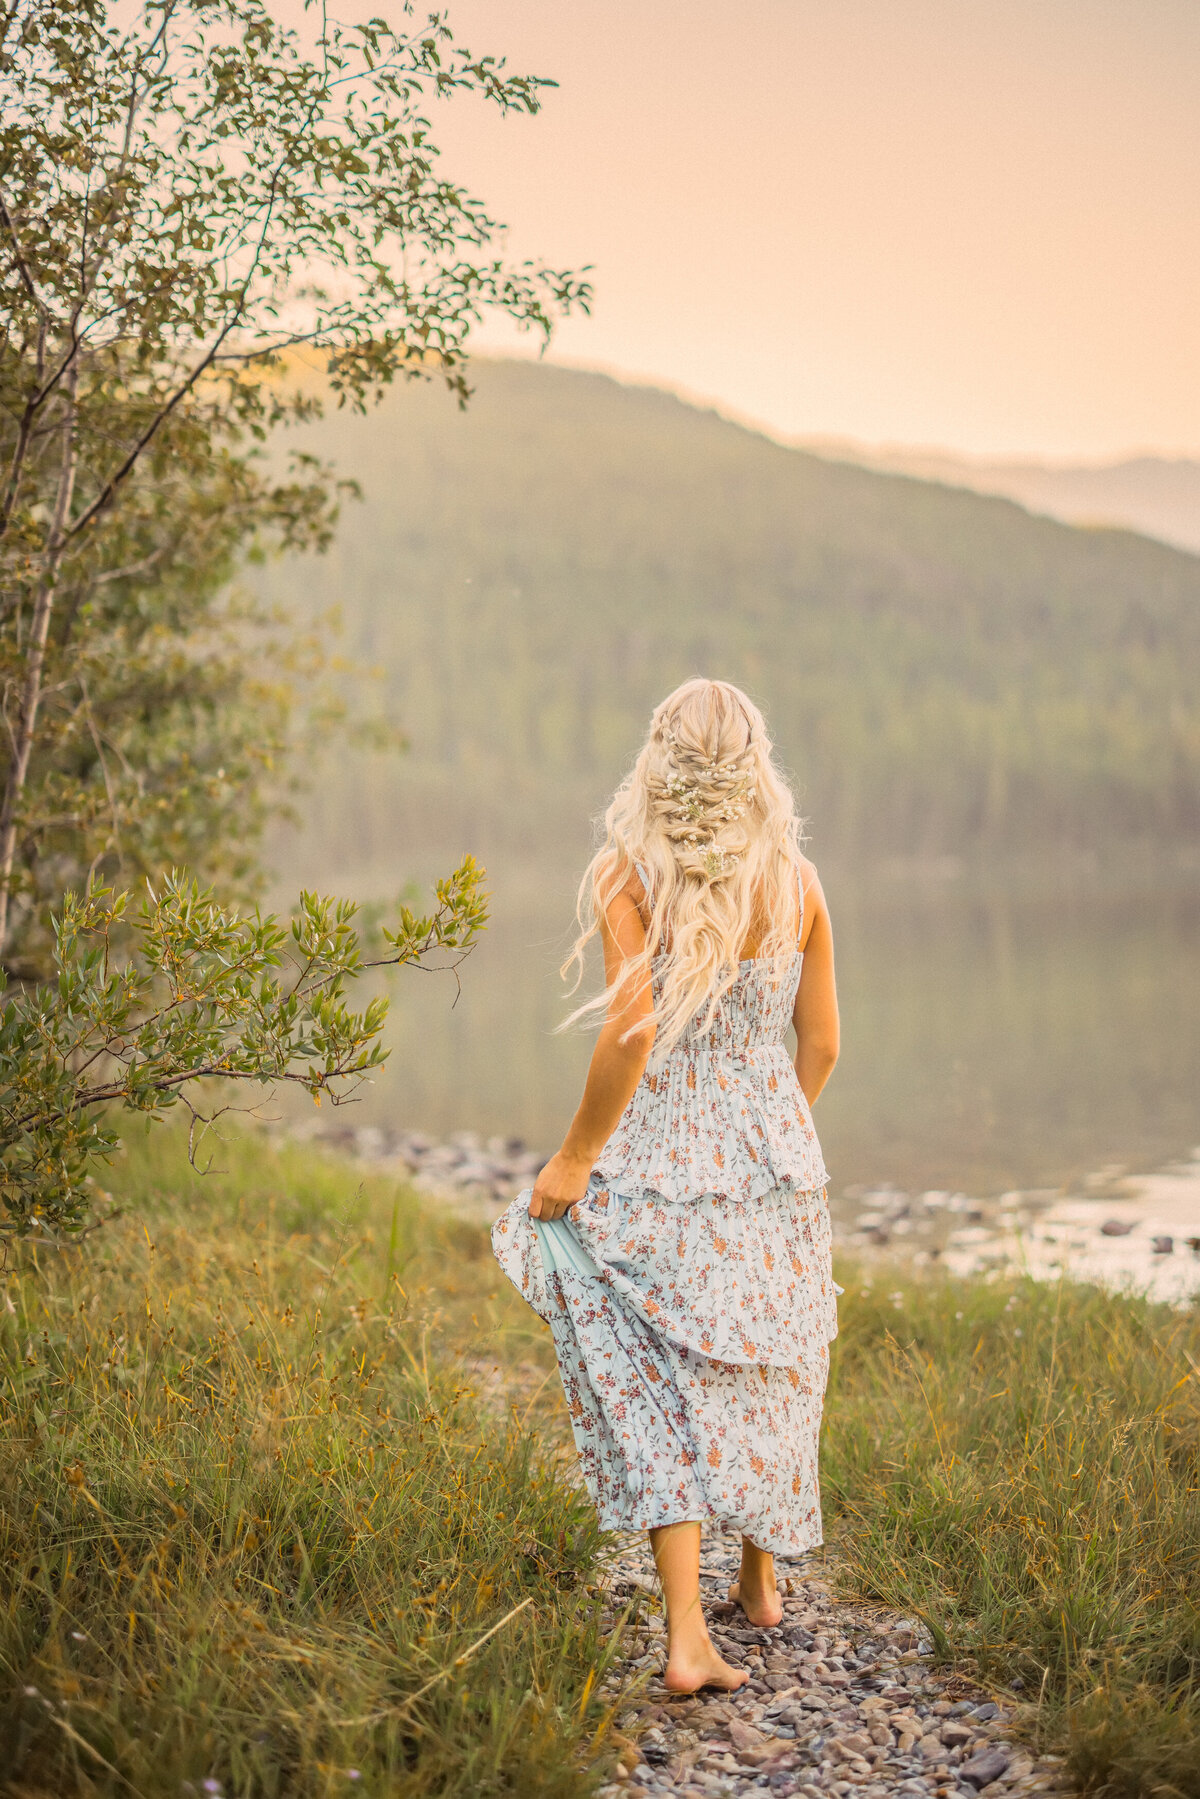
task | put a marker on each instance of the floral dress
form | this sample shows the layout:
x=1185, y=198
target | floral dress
x=690, y=1292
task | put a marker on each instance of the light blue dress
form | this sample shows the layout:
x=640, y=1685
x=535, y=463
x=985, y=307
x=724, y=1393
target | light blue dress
x=690, y=1293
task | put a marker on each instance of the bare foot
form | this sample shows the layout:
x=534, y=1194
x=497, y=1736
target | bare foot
x=763, y=1609
x=698, y=1666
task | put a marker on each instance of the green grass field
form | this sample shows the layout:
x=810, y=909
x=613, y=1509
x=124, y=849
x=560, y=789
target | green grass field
x=262, y=1501
x=259, y=1515
x=1020, y=1464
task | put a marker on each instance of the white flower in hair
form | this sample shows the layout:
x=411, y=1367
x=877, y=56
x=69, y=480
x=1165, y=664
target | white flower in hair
x=688, y=797
x=718, y=862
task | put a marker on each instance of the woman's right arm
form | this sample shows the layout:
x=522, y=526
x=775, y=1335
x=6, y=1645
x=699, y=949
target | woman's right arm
x=617, y=1065
x=815, y=1015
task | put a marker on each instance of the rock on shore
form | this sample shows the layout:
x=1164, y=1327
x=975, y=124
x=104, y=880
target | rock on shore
x=1140, y=1230
x=463, y=1165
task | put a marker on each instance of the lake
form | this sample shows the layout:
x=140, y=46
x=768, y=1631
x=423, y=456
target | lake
x=997, y=1034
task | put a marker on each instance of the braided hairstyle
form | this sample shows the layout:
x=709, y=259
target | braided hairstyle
x=700, y=794
x=710, y=821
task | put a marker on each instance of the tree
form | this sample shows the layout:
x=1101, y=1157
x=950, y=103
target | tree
x=187, y=201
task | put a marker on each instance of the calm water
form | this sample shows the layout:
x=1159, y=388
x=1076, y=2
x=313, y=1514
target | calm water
x=992, y=1038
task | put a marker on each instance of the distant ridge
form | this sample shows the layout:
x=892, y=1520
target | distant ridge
x=946, y=675
x=1156, y=495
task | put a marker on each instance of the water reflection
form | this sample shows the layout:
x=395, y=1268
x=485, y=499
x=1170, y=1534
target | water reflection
x=994, y=1037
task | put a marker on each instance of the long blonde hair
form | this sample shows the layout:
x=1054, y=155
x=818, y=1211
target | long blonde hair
x=712, y=823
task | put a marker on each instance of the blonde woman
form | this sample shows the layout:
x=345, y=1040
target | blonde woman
x=678, y=1244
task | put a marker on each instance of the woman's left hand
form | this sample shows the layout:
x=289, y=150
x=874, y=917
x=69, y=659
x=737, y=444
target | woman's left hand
x=561, y=1184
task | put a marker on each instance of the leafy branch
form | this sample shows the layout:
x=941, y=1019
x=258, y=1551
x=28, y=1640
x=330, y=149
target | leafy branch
x=203, y=998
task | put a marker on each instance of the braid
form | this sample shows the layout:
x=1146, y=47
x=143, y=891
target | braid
x=699, y=797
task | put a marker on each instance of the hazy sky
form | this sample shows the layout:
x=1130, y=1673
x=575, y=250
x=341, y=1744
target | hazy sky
x=971, y=223
x=963, y=222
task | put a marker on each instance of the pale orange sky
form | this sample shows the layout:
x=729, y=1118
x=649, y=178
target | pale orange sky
x=970, y=223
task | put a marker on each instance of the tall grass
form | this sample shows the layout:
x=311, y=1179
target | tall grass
x=256, y=1527
x=1020, y=1464
x=266, y=1523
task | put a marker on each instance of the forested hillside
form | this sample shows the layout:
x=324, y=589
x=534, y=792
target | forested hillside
x=1156, y=495
x=944, y=672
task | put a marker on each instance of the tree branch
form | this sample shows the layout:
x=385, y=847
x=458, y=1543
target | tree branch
x=24, y=431
x=105, y=497
x=19, y=258
x=18, y=770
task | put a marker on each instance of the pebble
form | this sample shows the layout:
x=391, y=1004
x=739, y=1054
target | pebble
x=892, y=1726
x=1138, y=1233
x=1031, y=1231
x=983, y=1769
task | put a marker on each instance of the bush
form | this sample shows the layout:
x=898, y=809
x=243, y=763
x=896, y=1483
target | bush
x=202, y=1000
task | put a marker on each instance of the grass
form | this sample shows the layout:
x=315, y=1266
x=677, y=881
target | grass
x=1020, y=1465
x=262, y=1503
x=262, y=1526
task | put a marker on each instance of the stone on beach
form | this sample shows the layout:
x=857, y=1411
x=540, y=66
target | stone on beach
x=981, y=1770
x=895, y=1727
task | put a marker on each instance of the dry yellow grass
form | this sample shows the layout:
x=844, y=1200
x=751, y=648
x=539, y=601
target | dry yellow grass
x=1020, y=1464
x=267, y=1521
x=260, y=1527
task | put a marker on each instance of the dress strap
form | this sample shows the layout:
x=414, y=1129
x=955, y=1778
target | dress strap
x=800, y=889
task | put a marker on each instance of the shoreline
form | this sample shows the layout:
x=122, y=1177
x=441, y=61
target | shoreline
x=1128, y=1232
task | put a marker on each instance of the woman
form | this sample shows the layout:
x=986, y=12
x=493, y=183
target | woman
x=678, y=1244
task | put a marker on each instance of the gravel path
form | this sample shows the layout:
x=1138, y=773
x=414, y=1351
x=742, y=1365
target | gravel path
x=843, y=1699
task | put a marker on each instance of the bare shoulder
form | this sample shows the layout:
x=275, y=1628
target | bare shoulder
x=623, y=917
x=815, y=906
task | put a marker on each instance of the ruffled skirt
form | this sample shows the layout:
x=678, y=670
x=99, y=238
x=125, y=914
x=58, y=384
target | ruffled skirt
x=693, y=1343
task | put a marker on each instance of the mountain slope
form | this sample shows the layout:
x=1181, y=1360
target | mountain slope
x=1156, y=495
x=944, y=673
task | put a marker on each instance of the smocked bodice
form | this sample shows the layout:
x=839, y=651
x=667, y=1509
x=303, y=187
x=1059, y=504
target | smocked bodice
x=723, y=1112
x=754, y=1013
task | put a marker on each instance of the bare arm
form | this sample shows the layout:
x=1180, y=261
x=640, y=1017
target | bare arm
x=614, y=1072
x=815, y=1015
